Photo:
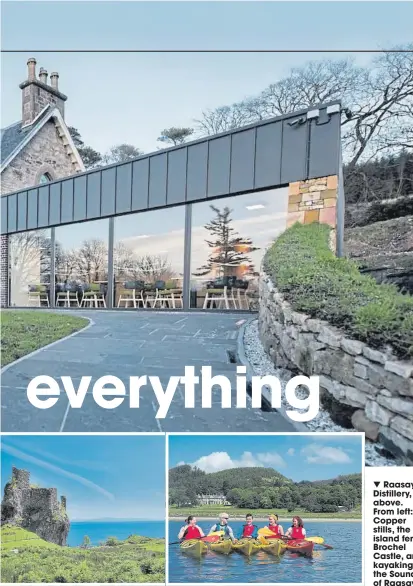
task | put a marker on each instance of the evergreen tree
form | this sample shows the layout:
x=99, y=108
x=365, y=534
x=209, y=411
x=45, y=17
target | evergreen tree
x=228, y=248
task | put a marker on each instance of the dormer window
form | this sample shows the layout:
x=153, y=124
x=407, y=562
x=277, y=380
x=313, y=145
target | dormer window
x=45, y=178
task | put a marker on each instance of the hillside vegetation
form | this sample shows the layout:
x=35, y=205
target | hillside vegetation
x=27, y=558
x=263, y=488
x=318, y=283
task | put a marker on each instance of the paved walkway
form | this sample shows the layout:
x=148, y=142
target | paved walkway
x=126, y=344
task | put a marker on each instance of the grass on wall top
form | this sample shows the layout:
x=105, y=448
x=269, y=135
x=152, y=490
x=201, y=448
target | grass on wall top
x=314, y=281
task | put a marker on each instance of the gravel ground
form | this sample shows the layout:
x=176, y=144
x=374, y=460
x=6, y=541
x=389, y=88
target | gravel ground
x=262, y=365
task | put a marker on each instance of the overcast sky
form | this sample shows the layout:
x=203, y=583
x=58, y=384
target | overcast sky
x=129, y=97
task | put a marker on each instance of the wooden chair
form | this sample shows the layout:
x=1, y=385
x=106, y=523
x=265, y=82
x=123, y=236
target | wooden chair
x=38, y=295
x=127, y=296
x=171, y=294
x=132, y=291
x=242, y=299
x=67, y=298
x=218, y=296
x=93, y=296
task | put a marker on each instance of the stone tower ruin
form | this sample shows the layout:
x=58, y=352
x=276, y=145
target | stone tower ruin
x=35, y=509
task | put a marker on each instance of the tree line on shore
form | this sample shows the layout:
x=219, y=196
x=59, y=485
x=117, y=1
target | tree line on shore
x=264, y=488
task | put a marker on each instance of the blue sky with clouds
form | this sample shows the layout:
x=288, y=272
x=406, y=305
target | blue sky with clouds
x=299, y=457
x=115, y=98
x=119, y=477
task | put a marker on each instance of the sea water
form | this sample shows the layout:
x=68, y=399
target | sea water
x=343, y=564
x=99, y=531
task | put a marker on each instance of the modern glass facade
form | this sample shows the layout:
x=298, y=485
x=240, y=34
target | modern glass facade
x=148, y=259
x=30, y=268
x=201, y=256
x=229, y=239
x=184, y=227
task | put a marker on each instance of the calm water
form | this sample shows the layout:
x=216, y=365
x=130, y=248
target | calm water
x=342, y=564
x=100, y=531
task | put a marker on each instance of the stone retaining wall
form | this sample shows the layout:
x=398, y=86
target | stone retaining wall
x=362, y=388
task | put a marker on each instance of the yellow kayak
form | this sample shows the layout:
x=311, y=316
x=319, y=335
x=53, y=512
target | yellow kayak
x=272, y=546
x=247, y=546
x=194, y=547
x=224, y=546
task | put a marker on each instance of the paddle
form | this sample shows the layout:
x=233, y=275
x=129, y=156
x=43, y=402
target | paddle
x=208, y=539
x=265, y=532
x=325, y=545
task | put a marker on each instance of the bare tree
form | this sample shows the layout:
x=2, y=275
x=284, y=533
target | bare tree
x=124, y=259
x=153, y=268
x=65, y=263
x=377, y=102
x=30, y=263
x=92, y=260
x=382, y=117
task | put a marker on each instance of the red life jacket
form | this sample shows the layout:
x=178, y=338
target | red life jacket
x=275, y=530
x=297, y=533
x=248, y=530
x=192, y=533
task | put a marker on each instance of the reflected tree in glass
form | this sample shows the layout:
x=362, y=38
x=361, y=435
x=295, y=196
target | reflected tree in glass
x=229, y=250
x=149, y=267
x=86, y=264
x=30, y=263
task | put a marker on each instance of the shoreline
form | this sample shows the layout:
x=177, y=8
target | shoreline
x=281, y=520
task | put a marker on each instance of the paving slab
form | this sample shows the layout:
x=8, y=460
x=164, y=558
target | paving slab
x=125, y=344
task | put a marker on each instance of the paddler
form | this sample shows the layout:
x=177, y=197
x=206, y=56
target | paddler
x=296, y=531
x=223, y=526
x=274, y=526
x=190, y=530
x=249, y=530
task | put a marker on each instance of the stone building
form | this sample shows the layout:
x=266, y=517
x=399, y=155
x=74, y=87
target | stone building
x=35, y=509
x=38, y=148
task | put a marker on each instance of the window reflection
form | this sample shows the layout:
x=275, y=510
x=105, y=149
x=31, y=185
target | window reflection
x=229, y=239
x=45, y=178
x=148, y=259
x=30, y=268
x=81, y=264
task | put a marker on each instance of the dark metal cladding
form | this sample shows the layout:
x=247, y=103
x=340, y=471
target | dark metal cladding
x=44, y=207
x=32, y=209
x=22, y=210
x=264, y=155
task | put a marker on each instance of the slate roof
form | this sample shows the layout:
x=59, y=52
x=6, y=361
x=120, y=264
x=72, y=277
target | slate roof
x=13, y=135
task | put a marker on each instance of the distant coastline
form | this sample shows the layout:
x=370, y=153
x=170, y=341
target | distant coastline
x=281, y=520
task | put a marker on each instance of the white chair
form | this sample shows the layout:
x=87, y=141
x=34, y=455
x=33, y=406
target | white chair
x=38, y=296
x=67, y=298
x=217, y=296
x=126, y=296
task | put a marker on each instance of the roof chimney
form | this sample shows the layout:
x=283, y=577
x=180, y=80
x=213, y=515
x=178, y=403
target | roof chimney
x=37, y=94
x=43, y=75
x=54, y=80
x=31, y=69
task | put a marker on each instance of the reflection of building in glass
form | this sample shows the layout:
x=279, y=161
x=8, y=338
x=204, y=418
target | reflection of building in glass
x=29, y=264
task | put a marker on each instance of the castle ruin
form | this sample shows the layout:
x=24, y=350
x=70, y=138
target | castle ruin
x=35, y=509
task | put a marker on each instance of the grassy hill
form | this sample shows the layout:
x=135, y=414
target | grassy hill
x=260, y=490
x=27, y=558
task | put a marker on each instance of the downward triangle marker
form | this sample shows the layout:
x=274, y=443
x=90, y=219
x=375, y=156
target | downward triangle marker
x=377, y=483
